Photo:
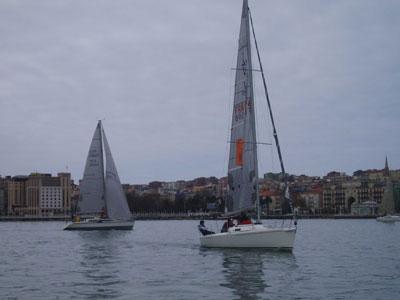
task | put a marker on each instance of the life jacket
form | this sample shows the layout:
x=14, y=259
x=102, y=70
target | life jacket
x=245, y=222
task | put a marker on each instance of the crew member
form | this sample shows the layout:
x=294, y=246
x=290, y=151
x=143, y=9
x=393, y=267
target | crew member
x=203, y=229
x=227, y=224
x=244, y=219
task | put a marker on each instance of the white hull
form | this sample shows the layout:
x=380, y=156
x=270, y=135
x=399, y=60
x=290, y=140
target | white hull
x=101, y=225
x=388, y=219
x=251, y=236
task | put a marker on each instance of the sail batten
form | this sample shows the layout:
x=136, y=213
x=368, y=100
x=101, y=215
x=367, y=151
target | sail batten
x=242, y=169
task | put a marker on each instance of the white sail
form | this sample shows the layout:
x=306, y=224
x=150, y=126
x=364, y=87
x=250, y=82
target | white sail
x=91, y=199
x=117, y=206
x=242, y=169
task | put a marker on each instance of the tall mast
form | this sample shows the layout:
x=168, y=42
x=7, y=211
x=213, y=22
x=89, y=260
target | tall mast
x=253, y=120
x=254, y=126
x=270, y=113
x=102, y=167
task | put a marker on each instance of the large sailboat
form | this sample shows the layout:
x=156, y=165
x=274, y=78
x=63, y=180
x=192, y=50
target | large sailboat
x=102, y=203
x=243, y=193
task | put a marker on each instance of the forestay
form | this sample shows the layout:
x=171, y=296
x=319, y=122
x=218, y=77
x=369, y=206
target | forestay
x=242, y=169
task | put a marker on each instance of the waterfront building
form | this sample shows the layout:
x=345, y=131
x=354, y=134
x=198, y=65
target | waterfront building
x=388, y=203
x=3, y=195
x=51, y=196
x=222, y=187
x=271, y=200
x=312, y=201
x=32, y=190
x=66, y=190
x=396, y=196
x=369, y=190
x=368, y=208
x=2, y=202
x=39, y=194
x=338, y=198
x=16, y=195
x=327, y=201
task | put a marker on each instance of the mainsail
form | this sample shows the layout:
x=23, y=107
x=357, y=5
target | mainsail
x=242, y=169
x=92, y=199
x=117, y=206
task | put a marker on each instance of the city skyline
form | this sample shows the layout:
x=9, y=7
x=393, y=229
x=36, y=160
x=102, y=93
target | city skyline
x=363, y=193
x=261, y=175
x=159, y=73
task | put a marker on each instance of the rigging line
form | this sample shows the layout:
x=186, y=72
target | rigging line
x=269, y=105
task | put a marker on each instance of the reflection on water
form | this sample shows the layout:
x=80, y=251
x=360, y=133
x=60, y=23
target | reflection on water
x=98, y=264
x=244, y=270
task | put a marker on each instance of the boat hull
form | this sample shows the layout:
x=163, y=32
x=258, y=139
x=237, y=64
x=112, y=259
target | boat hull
x=254, y=236
x=388, y=219
x=109, y=225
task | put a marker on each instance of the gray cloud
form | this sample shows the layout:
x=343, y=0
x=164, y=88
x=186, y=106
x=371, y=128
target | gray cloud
x=159, y=73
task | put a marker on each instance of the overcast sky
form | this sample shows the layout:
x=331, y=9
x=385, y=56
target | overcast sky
x=159, y=73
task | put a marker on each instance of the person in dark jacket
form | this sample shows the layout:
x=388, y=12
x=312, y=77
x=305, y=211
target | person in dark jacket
x=203, y=229
x=227, y=224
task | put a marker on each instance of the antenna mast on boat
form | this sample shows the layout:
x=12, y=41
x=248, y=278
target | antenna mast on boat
x=270, y=113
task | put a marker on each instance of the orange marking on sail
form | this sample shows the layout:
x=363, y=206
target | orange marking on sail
x=239, y=152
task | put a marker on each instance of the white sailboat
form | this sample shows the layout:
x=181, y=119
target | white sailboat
x=243, y=194
x=102, y=199
x=388, y=219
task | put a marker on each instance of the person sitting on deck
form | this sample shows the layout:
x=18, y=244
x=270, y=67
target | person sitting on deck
x=103, y=214
x=244, y=219
x=227, y=224
x=203, y=229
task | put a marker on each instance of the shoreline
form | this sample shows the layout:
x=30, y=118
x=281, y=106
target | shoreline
x=148, y=217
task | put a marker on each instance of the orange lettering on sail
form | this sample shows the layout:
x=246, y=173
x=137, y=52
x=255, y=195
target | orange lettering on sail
x=239, y=152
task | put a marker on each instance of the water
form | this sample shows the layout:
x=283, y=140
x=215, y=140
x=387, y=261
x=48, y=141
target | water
x=334, y=259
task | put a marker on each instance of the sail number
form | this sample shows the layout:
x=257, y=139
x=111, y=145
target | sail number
x=241, y=109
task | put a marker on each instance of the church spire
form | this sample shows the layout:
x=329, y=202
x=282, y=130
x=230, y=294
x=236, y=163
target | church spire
x=386, y=169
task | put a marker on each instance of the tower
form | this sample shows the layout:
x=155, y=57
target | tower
x=386, y=171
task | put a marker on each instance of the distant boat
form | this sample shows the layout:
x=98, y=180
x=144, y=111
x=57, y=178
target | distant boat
x=389, y=219
x=243, y=194
x=102, y=199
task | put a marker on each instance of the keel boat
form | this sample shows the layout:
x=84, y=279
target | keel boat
x=102, y=203
x=243, y=190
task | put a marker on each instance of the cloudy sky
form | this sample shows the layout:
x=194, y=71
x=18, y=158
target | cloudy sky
x=159, y=73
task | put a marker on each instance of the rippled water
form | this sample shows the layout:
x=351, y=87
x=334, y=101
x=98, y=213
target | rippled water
x=342, y=259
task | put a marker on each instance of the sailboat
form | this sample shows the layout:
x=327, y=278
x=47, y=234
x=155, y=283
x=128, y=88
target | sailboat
x=102, y=200
x=243, y=193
